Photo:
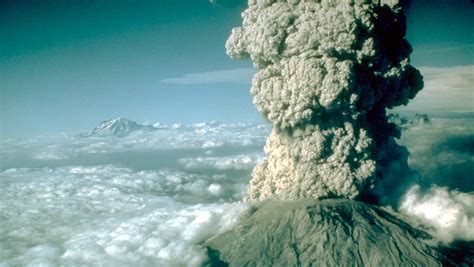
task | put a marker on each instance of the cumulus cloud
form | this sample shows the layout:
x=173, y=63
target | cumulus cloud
x=109, y=215
x=327, y=71
x=449, y=212
x=241, y=75
x=446, y=90
x=238, y=162
x=161, y=237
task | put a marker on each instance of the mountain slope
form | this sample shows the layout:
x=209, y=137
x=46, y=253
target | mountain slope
x=332, y=232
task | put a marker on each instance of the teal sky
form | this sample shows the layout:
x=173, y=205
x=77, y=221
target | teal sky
x=66, y=65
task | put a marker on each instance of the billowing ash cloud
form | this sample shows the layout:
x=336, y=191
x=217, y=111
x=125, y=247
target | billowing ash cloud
x=327, y=72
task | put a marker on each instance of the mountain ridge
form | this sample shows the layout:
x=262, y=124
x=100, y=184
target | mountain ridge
x=329, y=232
x=119, y=127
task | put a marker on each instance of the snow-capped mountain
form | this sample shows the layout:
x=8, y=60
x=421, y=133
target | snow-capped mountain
x=119, y=127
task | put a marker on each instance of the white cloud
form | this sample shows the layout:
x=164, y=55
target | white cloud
x=109, y=215
x=237, y=162
x=446, y=90
x=450, y=213
x=241, y=75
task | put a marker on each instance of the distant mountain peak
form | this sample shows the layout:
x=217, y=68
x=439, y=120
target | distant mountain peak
x=118, y=127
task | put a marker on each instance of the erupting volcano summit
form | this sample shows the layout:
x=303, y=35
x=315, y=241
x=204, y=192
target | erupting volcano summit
x=327, y=72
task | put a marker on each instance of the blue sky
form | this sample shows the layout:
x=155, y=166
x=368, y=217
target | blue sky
x=66, y=65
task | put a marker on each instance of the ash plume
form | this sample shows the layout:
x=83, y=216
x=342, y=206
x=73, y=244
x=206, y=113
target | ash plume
x=327, y=72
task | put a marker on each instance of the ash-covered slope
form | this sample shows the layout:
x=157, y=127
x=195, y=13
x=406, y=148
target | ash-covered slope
x=331, y=232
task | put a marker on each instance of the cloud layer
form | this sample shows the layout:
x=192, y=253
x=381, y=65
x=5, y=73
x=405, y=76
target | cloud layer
x=161, y=193
x=242, y=76
x=446, y=90
x=109, y=215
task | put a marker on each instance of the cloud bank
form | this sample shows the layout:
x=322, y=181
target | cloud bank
x=128, y=212
x=106, y=215
x=446, y=90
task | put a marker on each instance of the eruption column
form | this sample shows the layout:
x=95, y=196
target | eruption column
x=327, y=72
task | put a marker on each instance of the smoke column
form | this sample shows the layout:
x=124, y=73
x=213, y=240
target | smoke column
x=327, y=72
